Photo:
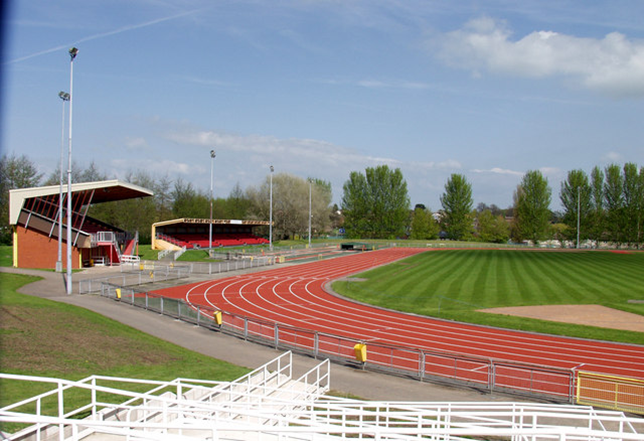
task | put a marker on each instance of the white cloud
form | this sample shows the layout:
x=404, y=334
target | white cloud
x=613, y=157
x=123, y=166
x=613, y=65
x=499, y=171
x=372, y=83
x=138, y=143
x=550, y=171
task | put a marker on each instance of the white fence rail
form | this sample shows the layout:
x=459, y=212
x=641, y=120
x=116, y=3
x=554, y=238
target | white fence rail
x=135, y=272
x=268, y=404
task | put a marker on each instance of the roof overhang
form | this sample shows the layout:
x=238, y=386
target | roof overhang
x=103, y=191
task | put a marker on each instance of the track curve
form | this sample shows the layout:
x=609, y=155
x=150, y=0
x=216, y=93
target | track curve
x=296, y=296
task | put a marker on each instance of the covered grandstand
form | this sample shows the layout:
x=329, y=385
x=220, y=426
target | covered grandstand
x=35, y=216
x=192, y=233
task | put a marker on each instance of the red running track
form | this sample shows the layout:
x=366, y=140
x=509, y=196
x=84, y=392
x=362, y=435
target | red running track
x=295, y=296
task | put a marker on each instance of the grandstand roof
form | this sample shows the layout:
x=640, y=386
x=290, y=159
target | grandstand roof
x=101, y=191
x=195, y=221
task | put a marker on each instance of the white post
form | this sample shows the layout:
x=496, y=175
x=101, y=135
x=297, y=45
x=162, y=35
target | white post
x=212, y=160
x=270, y=221
x=578, y=213
x=59, y=263
x=310, y=213
x=72, y=52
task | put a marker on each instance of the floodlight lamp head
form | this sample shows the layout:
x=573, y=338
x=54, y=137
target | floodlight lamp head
x=212, y=153
x=272, y=169
x=63, y=95
x=73, y=52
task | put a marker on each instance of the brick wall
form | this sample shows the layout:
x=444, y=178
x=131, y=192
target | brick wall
x=36, y=250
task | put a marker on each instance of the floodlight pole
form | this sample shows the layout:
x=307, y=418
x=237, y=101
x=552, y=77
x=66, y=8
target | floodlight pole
x=578, y=213
x=59, y=263
x=212, y=160
x=310, y=214
x=72, y=53
x=270, y=221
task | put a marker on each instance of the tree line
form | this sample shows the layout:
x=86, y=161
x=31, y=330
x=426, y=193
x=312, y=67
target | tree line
x=605, y=206
x=175, y=199
x=608, y=207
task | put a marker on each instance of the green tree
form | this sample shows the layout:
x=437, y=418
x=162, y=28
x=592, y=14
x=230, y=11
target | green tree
x=237, y=204
x=532, y=207
x=321, y=195
x=163, y=197
x=15, y=172
x=79, y=174
x=457, y=208
x=633, y=204
x=597, y=216
x=132, y=215
x=576, y=198
x=614, y=200
x=423, y=224
x=188, y=202
x=291, y=204
x=376, y=204
x=491, y=228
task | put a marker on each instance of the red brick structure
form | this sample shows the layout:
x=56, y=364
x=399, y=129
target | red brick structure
x=34, y=216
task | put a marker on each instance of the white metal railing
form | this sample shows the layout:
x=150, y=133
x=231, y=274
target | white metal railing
x=167, y=402
x=128, y=258
x=103, y=236
x=256, y=406
x=143, y=274
x=137, y=272
x=164, y=253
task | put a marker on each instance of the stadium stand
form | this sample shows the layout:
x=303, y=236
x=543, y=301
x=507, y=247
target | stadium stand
x=195, y=233
x=269, y=404
x=35, y=219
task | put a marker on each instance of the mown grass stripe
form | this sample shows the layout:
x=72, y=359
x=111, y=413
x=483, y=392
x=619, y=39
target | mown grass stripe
x=464, y=280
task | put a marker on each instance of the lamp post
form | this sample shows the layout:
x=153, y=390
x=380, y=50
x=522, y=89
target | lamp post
x=270, y=221
x=212, y=160
x=59, y=263
x=578, y=213
x=310, y=214
x=72, y=53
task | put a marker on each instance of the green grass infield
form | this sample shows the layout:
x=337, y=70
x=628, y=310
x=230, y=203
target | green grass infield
x=454, y=284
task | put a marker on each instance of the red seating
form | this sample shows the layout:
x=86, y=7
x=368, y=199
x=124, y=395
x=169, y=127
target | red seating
x=192, y=240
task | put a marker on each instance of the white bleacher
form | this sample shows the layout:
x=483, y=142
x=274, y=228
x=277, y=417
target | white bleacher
x=269, y=404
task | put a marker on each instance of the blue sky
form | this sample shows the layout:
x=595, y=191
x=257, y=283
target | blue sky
x=320, y=88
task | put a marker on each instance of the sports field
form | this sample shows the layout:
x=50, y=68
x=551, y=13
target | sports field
x=456, y=283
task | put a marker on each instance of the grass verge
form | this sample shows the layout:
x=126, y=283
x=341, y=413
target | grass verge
x=41, y=337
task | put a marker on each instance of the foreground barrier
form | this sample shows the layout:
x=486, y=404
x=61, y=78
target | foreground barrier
x=270, y=404
x=609, y=391
x=486, y=374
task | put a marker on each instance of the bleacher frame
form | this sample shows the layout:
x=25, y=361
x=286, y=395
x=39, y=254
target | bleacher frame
x=269, y=404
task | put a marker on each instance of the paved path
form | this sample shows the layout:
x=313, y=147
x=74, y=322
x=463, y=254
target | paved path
x=345, y=379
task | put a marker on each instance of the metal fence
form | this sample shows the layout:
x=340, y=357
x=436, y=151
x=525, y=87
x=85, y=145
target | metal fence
x=483, y=373
x=610, y=391
x=144, y=274
x=225, y=266
x=139, y=273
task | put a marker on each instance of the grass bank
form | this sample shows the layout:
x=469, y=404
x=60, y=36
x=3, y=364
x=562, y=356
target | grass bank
x=46, y=338
x=454, y=284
